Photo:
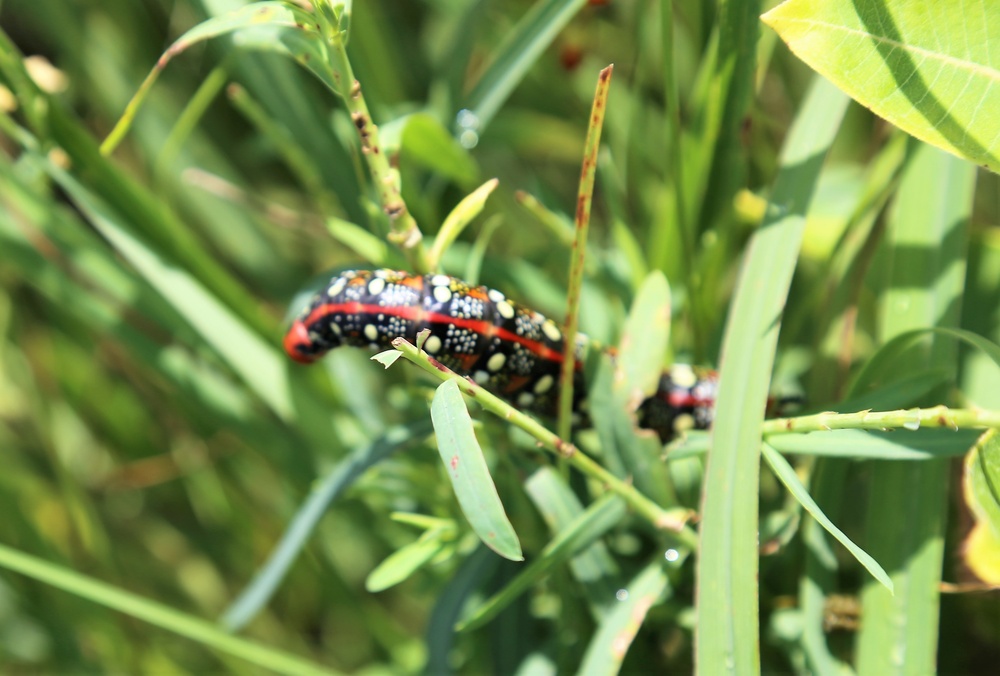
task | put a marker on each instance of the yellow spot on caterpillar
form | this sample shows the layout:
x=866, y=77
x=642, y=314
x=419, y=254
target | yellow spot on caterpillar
x=496, y=362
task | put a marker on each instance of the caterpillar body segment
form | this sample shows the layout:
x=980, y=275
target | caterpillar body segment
x=478, y=332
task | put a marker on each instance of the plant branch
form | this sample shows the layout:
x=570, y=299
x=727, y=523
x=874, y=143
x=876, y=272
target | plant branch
x=672, y=520
x=911, y=419
x=405, y=231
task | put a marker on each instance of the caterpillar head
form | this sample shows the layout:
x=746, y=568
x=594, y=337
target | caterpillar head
x=313, y=333
x=299, y=346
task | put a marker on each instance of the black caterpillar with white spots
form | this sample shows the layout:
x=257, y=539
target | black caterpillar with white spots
x=478, y=332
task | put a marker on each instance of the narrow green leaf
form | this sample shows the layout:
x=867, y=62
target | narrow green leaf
x=866, y=445
x=270, y=26
x=257, y=363
x=786, y=473
x=618, y=629
x=582, y=532
x=923, y=444
x=341, y=477
x=463, y=459
x=462, y=589
x=536, y=30
x=456, y=221
x=594, y=567
x=628, y=452
x=929, y=68
x=727, y=640
x=402, y=563
x=885, y=360
x=157, y=614
x=369, y=247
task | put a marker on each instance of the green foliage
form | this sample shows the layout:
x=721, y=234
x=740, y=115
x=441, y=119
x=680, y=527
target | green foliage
x=166, y=465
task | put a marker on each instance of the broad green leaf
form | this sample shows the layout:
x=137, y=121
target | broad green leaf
x=786, y=474
x=463, y=460
x=928, y=67
x=618, y=629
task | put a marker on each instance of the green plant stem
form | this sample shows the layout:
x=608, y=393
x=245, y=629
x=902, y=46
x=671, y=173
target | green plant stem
x=584, y=198
x=937, y=416
x=405, y=231
x=670, y=520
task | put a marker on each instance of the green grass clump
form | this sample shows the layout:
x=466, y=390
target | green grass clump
x=179, y=496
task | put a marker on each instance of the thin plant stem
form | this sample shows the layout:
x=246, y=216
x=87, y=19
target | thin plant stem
x=583, y=201
x=405, y=231
x=911, y=419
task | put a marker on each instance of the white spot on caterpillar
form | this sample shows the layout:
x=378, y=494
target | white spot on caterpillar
x=495, y=296
x=683, y=375
x=552, y=331
x=440, y=280
x=544, y=384
x=505, y=309
x=371, y=332
x=432, y=345
x=496, y=362
x=481, y=377
x=525, y=399
x=337, y=286
x=335, y=327
x=442, y=294
x=376, y=286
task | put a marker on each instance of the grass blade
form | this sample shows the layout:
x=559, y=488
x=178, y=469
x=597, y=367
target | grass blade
x=536, y=30
x=786, y=473
x=582, y=532
x=927, y=233
x=727, y=640
x=155, y=613
x=608, y=648
x=341, y=477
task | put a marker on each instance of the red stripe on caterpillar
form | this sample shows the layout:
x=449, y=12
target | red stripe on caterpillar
x=478, y=332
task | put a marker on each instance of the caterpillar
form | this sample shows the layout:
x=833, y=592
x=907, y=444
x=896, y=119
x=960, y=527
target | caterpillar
x=478, y=332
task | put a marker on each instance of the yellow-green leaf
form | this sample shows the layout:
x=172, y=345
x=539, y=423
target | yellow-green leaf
x=927, y=67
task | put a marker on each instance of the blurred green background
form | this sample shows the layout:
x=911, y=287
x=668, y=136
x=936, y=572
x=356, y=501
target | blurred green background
x=154, y=437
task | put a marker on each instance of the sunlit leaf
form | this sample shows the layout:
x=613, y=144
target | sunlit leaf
x=927, y=67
